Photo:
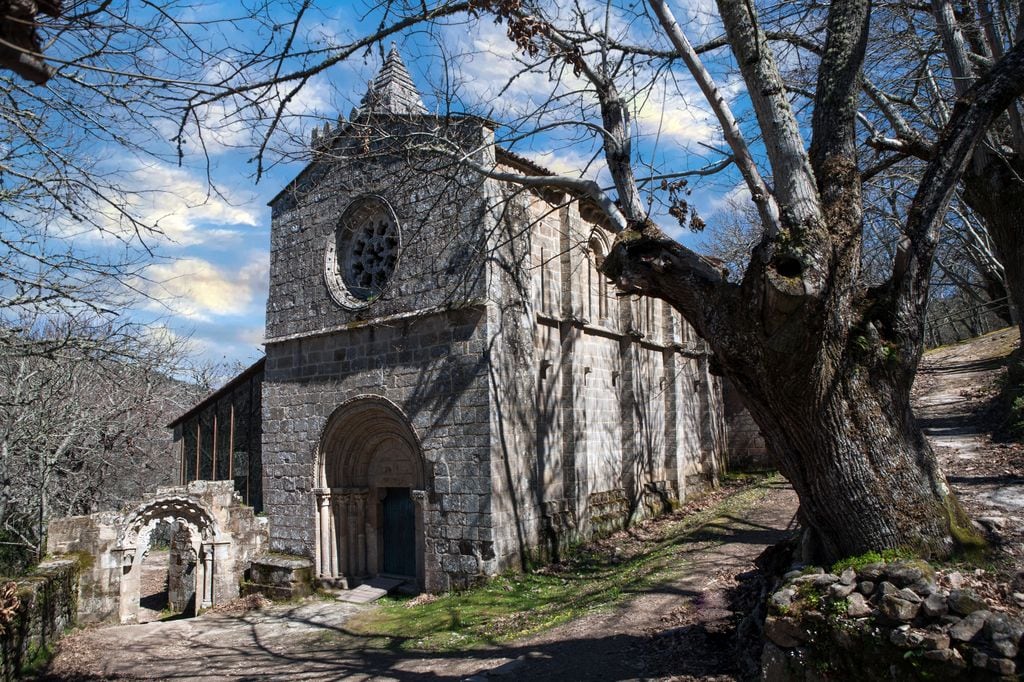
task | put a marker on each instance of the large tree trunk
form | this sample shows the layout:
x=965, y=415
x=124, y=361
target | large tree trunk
x=865, y=474
x=828, y=383
x=994, y=190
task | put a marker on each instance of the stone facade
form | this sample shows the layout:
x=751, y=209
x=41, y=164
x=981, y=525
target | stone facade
x=747, y=449
x=485, y=397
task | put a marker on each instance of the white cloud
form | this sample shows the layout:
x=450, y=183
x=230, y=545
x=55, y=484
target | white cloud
x=181, y=208
x=670, y=115
x=199, y=290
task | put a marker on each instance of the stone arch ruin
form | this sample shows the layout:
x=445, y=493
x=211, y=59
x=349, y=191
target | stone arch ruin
x=211, y=522
x=184, y=513
x=370, y=496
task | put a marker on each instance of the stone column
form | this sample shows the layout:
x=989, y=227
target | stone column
x=207, y=576
x=350, y=529
x=419, y=500
x=360, y=498
x=339, y=507
x=324, y=504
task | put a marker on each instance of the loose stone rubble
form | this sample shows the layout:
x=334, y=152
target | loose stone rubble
x=886, y=621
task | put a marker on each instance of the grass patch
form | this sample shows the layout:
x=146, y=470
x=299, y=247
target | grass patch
x=858, y=562
x=513, y=605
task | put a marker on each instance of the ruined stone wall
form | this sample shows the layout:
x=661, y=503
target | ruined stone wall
x=110, y=546
x=47, y=606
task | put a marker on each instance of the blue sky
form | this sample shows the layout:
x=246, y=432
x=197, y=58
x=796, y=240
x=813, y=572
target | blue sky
x=210, y=281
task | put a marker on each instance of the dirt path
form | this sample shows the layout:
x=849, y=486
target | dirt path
x=680, y=629
x=952, y=396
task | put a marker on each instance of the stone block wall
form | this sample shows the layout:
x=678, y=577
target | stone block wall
x=47, y=607
x=597, y=397
x=440, y=216
x=93, y=539
x=433, y=368
x=747, y=450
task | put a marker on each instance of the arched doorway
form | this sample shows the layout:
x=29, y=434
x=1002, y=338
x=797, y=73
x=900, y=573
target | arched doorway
x=371, y=496
x=192, y=546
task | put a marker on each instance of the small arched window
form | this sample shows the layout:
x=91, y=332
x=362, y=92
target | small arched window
x=598, y=288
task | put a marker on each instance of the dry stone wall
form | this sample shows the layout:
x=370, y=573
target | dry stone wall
x=885, y=622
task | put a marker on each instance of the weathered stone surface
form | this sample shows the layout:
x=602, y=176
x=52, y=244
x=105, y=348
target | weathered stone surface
x=48, y=607
x=909, y=595
x=969, y=627
x=872, y=572
x=848, y=577
x=1005, y=634
x=866, y=587
x=783, y=599
x=949, y=656
x=825, y=579
x=783, y=631
x=776, y=664
x=840, y=591
x=1002, y=666
x=906, y=639
x=935, y=640
x=903, y=574
x=934, y=606
x=964, y=601
x=857, y=606
x=895, y=608
x=887, y=589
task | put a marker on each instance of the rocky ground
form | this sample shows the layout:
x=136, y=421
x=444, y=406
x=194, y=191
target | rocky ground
x=683, y=628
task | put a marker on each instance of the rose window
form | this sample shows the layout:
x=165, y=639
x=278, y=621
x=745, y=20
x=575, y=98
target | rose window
x=362, y=256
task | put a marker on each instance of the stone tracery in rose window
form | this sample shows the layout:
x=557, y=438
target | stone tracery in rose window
x=372, y=256
x=363, y=253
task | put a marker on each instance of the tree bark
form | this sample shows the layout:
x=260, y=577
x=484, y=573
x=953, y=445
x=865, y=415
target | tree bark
x=994, y=190
x=865, y=474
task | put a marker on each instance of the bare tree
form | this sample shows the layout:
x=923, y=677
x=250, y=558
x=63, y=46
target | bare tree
x=81, y=427
x=824, y=361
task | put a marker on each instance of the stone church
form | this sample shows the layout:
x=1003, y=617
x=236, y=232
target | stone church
x=450, y=387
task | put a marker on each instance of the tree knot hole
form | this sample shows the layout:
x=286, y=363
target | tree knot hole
x=788, y=266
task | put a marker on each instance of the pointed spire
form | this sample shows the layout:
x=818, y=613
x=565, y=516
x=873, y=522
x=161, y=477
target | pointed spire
x=392, y=91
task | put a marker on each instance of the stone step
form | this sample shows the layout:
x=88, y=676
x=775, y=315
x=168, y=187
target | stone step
x=370, y=591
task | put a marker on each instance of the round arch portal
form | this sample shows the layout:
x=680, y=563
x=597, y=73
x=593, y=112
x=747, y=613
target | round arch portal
x=134, y=540
x=370, y=495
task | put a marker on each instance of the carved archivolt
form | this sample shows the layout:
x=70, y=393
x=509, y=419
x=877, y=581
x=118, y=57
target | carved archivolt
x=368, y=441
x=174, y=509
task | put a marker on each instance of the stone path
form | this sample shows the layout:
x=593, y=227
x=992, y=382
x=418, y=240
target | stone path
x=678, y=629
